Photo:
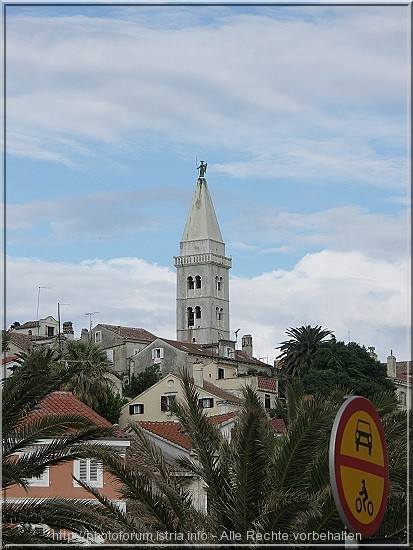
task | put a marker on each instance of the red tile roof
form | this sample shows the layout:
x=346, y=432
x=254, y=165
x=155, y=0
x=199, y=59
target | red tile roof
x=62, y=403
x=23, y=341
x=267, y=383
x=130, y=333
x=404, y=370
x=171, y=431
x=220, y=393
x=175, y=432
x=205, y=351
x=11, y=359
x=278, y=425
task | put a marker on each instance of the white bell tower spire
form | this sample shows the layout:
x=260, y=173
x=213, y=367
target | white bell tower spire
x=202, y=304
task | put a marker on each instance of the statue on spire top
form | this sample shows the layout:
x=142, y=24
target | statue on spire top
x=202, y=169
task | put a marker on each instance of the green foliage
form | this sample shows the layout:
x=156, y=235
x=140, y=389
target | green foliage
x=297, y=354
x=90, y=382
x=347, y=365
x=142, y=381
x=110, y=408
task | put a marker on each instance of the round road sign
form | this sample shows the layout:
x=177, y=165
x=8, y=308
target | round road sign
x=359, y=466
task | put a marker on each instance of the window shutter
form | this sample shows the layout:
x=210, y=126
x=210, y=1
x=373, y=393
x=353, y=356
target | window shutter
x=161, y=353
x=93, y=469
x=153, y=354
x=83, y=469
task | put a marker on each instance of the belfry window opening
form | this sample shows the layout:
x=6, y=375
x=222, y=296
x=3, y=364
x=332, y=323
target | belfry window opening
x=198, y=282
x=190, y=283
x=190, y=315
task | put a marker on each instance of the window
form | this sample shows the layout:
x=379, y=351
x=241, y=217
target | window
x=219, y=314
x=190, y=315
x=88, y=470
x=42, y=480
x=267, y=401
x=198, y=312
x=166, y=401
x=218, y=284
x=136, y=408
x=221, y=373
x=206, y=402
x=402, y=398
x=49, y=331
x=109, y=355
x=190, y=283
x=157, y=355
x=198, y=282
x=98, y=337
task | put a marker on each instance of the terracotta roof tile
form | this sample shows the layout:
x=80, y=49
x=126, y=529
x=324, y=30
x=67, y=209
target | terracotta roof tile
x=23, y=341
x=205, y=351
x=62, y=402
x=131, y=333
x=175, y=432
x=171, y=431
x=267, y=383
x=278, y=425
x=403, y=370
x=222, y=394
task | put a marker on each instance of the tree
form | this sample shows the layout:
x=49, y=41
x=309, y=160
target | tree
x=68, y=435
x=90, y=382
x=111, y=407
x=142, y=381
x=296, y=354
x=348, y=365
x=258, y=481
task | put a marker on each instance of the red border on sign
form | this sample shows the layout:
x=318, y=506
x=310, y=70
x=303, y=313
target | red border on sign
x=348, y=409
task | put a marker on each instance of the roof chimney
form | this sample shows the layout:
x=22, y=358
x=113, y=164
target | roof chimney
x=247, y=344
x=68, y=330
x=198, y=373
x=391, y=365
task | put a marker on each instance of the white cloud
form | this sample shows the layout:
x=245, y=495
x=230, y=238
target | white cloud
x=334, y=89
x=269, y=230
x=344, y=292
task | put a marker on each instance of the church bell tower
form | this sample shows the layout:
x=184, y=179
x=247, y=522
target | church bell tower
x=202, y=303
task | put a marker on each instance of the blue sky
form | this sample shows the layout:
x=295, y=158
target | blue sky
x=302, y=113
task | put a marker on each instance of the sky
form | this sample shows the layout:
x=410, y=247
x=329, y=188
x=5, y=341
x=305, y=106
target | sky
x=302, y=113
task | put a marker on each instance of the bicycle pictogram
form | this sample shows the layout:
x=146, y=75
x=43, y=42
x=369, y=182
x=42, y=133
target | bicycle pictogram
x=361, y=503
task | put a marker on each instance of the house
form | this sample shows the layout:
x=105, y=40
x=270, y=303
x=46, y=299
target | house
x=121, y=344
x=43, y=327
x=154, y=403
x=171, y=438
x=57, y=481
x=8, y=365
x=265, y=387
x=401, y=374
x=220, y=360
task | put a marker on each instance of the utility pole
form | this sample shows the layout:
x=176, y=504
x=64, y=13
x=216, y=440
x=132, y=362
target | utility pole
x=37, y=310
x=90, y=322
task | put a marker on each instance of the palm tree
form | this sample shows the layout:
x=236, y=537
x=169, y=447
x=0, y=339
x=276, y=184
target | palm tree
x=90, y=383
x=36, y=377
x=258, y=481
x=296, y=353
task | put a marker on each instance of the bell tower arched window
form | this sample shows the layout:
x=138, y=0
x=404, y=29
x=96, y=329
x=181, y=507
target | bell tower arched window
x=190, y=316
x=218, y=284
x=198, y=312
x=198, y=282
x=190, y=283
